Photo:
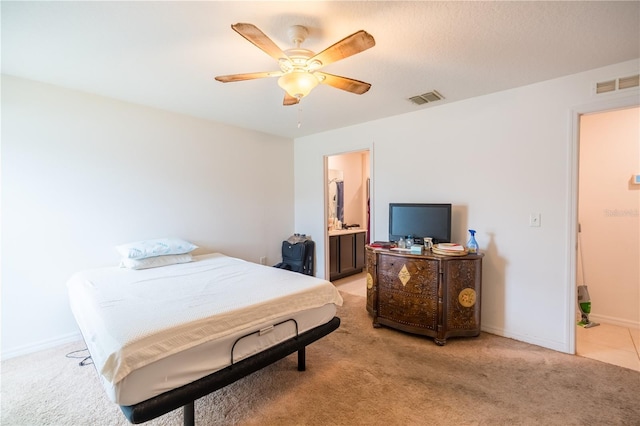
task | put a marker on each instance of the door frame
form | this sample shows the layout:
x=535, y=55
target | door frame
x=612, y=102
x=369, y=150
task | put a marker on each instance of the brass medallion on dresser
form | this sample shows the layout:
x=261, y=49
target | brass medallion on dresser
x=428, y=294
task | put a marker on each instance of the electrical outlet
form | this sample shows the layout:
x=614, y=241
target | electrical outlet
x=263, y=260
x=534, y=219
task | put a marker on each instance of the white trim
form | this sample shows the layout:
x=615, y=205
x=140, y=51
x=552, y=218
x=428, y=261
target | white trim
x=525, y=338
x=623, y=100
x=572, y=208
x=325, y=203
x=372, y=214
x=42, y=345
x=325, y=215
x=620, y=322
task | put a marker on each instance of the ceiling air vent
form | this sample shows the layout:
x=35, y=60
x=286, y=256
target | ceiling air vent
x=618, y=84
x=426, y=98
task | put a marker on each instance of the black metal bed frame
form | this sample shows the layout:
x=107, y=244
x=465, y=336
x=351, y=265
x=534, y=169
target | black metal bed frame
x=185, y=396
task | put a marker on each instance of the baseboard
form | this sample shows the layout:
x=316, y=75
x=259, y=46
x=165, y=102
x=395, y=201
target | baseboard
x=620, y=322
x=42, y=345
x=549, y=344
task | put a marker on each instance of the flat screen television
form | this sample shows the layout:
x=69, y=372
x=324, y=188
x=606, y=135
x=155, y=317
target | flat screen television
x=419, y=221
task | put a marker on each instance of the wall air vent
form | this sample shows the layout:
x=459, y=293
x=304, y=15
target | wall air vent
x=617, y=84
x=627, y=82
x=426, y=98
x=605, y=86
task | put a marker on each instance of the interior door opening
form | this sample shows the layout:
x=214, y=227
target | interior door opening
x=347, y=211
x=607, y=210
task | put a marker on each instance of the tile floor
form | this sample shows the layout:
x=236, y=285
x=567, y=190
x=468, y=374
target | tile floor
x=611, y=344
x=607, y=343
x=355, y=284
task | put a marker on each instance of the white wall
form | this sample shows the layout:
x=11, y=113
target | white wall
x=82, y=173
x=609, y=212
x=496, y=158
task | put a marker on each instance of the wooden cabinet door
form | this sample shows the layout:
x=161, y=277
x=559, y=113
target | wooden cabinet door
x=372, y=276
x=346, y=253
x=462, y=292
x=333, y=256
x=408, y=292
x=360, y=241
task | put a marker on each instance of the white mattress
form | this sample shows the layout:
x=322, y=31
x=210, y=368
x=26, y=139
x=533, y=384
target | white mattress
x=152, y=330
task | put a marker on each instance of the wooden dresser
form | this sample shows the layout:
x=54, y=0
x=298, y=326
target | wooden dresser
x=428, y=294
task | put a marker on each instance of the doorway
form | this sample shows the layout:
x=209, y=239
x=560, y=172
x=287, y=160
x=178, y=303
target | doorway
x=608, y=204
x=348, y=196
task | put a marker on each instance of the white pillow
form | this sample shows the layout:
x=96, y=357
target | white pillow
x=157, y=247
x=154, y=262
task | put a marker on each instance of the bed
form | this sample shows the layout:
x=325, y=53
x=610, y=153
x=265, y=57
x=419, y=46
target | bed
x=164, y=337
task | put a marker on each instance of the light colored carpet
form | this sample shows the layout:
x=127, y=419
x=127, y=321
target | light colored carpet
x=357, y=375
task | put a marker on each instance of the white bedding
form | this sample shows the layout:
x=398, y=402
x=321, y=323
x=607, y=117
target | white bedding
x=192, y=364
x=130, y=319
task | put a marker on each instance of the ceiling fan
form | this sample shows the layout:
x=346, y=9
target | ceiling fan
x=299, y=67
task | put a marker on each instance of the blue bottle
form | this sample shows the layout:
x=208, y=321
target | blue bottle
x=472, y=244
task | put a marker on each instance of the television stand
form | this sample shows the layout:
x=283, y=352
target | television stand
x=428, y=294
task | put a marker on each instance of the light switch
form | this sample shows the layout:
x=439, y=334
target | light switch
x=534, y=219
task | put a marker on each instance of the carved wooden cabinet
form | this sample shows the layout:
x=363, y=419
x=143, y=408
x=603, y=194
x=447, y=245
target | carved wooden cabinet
x=428, y=294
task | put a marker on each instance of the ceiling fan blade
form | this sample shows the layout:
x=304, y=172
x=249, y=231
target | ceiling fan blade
x=350, y=85
x=355, y=43
x=290, y=100
x=259, y=39
x=248, y=76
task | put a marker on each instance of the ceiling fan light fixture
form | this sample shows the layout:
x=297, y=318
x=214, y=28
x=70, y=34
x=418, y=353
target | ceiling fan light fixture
x=298, y=83
x=314, y=65
x=299, y=68
x=285, y=64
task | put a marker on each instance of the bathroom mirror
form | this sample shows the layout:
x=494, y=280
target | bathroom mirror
x=336, y=196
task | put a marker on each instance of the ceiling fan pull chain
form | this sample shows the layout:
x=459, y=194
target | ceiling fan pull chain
x=299, y=116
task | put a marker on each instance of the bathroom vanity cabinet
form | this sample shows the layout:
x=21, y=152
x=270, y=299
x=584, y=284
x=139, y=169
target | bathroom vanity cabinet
x=346, y=253
x=428, y=294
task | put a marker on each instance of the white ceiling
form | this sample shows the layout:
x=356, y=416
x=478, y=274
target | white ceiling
x=166, y=54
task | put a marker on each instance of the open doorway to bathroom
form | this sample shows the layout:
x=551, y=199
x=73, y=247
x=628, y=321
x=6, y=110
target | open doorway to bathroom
x=608, y=237
x=347, y=201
